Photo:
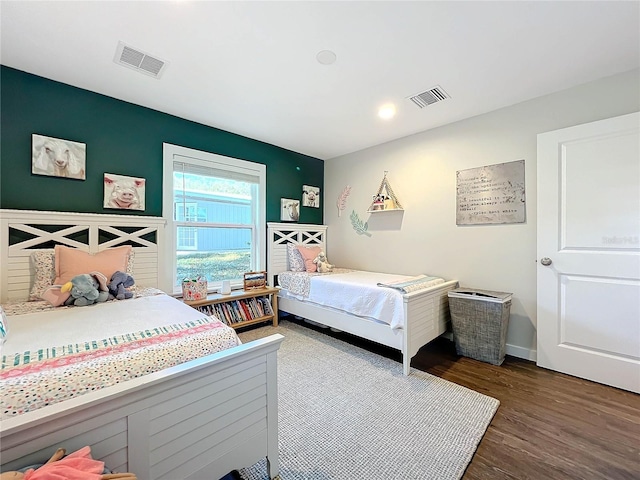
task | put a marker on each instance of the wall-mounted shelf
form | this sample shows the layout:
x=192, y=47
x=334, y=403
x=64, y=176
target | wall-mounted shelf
x=386, y=210
x=385, y=200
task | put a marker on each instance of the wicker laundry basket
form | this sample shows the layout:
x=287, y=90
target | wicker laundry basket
x=479, y=319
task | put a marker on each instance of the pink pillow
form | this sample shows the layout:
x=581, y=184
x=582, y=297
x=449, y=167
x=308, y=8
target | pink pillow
x=308, y=255
x=55, y=296
x=71, y=262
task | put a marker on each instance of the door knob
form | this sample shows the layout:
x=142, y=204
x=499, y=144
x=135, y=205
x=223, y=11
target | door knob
x=546, y=261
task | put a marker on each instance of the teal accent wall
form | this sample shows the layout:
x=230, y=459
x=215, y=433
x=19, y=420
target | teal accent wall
x=124, y=139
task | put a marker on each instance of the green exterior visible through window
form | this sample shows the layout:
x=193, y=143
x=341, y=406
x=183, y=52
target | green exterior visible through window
x=218, y=206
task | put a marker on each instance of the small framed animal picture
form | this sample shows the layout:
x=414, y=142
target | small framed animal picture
x=123, y=192
x=289, y=210
x=55, y=157
x=310, y=196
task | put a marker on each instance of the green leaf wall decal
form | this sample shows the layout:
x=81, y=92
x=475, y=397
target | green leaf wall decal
x=358, y=225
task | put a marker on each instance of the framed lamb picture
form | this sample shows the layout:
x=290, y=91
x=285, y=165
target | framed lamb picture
x=55, y=157
x=289, y=210
x=123, y=192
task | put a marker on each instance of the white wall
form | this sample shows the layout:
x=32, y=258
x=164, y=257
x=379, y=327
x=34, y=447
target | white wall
x=422, y=171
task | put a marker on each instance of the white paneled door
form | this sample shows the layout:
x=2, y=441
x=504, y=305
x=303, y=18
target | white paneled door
x=589, y=251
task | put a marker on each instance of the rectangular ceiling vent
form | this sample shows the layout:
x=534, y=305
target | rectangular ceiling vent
x=431, y=96
x=137, y=60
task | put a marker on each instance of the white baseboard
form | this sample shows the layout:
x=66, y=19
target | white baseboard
x=513, y=350
x=521, y=352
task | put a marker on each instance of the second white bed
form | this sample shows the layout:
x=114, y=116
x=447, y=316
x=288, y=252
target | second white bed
x=354, y=292
x=424, y=313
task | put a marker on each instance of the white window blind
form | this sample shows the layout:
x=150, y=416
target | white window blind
x=229, y=173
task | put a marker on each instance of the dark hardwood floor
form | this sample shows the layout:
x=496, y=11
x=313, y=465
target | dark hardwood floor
x=548, y=426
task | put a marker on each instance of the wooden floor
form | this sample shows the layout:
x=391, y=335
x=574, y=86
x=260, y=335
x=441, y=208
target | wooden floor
x=548, y=426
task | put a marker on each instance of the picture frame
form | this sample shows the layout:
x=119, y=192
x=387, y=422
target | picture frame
x=254, y=280
x=310, y=196
x=503, y=183
x=55, y=157
x=124, y=193
x=289, y=210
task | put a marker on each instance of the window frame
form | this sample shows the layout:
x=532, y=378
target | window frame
x=172, y=153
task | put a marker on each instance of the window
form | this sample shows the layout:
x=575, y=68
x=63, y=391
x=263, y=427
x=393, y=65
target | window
x=217, y=216
x=187, y=237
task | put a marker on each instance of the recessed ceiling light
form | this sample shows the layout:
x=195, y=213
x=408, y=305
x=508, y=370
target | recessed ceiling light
x=387, y=111
x=326, y=57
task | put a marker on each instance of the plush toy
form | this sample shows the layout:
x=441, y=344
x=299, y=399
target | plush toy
x=118, y=285
x=75, y=466
x=86, y=289
x=322, y=263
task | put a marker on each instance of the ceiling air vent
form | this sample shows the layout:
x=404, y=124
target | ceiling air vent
x=433, y=95
x=137, y=60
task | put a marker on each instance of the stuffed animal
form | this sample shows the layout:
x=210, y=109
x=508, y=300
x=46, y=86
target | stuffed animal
x=86, y=289
x=322, y=263
x=118, y=285
x=78, y=465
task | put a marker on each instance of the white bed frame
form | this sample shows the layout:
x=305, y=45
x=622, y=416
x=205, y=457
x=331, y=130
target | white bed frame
x=426, y=311
x=197, y=420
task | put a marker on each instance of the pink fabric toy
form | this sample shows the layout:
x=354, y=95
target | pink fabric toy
x=78, y=465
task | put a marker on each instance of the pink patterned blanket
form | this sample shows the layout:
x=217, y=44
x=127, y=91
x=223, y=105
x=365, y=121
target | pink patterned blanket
x=36, y=383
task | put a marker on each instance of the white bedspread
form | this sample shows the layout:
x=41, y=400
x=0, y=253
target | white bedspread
x=62, y=326
x=358, y=293
x=55, y=355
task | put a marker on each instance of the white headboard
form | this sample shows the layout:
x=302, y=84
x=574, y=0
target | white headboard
x=279, y=234
x=23, y=231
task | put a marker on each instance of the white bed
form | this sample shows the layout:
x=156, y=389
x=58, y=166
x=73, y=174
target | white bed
x=424, y=313
x=139, y=425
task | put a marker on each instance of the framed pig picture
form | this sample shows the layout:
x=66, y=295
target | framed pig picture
x=122, y=192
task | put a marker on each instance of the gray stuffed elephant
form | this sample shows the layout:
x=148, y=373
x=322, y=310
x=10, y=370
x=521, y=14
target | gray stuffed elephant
x=118, y=285
x=85, y=290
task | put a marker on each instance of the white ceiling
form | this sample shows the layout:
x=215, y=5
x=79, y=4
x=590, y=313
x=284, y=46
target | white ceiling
x=250, y=67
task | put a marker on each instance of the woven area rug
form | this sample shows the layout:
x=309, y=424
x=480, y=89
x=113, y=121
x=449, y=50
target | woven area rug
x=346, y=413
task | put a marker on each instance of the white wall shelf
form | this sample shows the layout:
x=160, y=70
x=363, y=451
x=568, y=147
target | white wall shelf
x=385, y=200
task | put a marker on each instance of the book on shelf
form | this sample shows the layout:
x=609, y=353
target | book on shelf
x=247, y=313
x=240, y=311
x=266, y=305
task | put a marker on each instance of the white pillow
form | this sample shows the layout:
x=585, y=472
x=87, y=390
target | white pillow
x=296, y=262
